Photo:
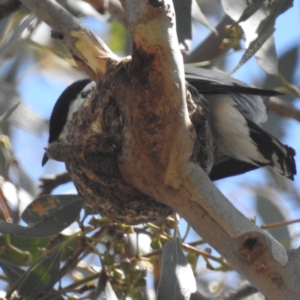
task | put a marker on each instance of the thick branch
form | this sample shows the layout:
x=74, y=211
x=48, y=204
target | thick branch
x=156, y=151
x=158, y=140
x=80, y=41
x=283, y=108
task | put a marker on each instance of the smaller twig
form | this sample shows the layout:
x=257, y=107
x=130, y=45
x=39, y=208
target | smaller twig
x=186, y=232
x=50, y=182
x=220, y=260
x=290, y=87
x=72, y=287
x=279, y=224
x=82, y=249
x=241, y=293
x=283, y=108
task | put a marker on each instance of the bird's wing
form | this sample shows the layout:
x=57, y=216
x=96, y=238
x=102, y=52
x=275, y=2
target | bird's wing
x=272, y=151
x=215, y=84
x=230, y=167
x=279, y=156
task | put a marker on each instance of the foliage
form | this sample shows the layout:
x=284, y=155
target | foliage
x=95, y=257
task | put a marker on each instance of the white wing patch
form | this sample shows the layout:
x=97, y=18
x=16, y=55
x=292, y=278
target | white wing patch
x=231, y=132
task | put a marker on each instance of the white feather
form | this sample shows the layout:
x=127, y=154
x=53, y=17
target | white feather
x=231, y=132
x=75, y=105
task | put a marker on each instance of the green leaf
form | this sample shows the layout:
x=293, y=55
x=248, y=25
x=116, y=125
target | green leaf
x=258, y=26
x=41, y=278
x=23, y=250
x=7, y=114
x=49, y=214
x=104, y=290
x=177, y=279
x=43, y=207
x=250, y=10
x=12, y=272
x=199, y=16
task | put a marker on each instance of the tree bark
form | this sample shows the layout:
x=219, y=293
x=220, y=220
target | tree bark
x=158, y=140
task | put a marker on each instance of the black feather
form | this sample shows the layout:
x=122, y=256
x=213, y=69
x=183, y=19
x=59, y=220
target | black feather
x=230, y=167
x=60, y=111
x=215, y=82
x=274, y=151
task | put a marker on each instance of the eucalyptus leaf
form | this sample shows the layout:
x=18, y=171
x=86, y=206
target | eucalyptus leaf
x=47, y=205
x=177, y=279
x=41, y=278
x=12, y=272
x=17, y=36
x=250, y=10
x=6, y=115
x=50, y=215
x=198, y=15
x=24, y=116
x=26, y=248
x=258, y=24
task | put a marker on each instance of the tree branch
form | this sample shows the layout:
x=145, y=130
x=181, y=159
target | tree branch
x=87, y=49
x=283, y=108
x=165, y=172
x=158, y=138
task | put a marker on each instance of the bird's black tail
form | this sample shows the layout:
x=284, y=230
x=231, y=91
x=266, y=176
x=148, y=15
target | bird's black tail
x=279, y=156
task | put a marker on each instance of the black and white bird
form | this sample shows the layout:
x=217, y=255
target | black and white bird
x=67, y=103
x=235, y=111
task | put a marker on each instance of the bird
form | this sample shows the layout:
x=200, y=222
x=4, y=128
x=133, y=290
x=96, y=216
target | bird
x=235, y=112
x=68, y=102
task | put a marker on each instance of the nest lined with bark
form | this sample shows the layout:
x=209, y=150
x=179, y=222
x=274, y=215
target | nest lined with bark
x=94, y=143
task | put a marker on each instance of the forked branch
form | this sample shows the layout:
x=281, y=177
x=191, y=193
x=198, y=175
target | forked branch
x=157, y=139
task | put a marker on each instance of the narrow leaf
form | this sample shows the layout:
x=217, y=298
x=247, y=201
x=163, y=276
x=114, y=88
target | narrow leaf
x=198, y=15
x=258, y=24
x=6, y=115
x=177, y=279
x=12, y=272
x=52, y=216
x=41, y=278
x=28, y=249
x=47, y=205
x=250, y=10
